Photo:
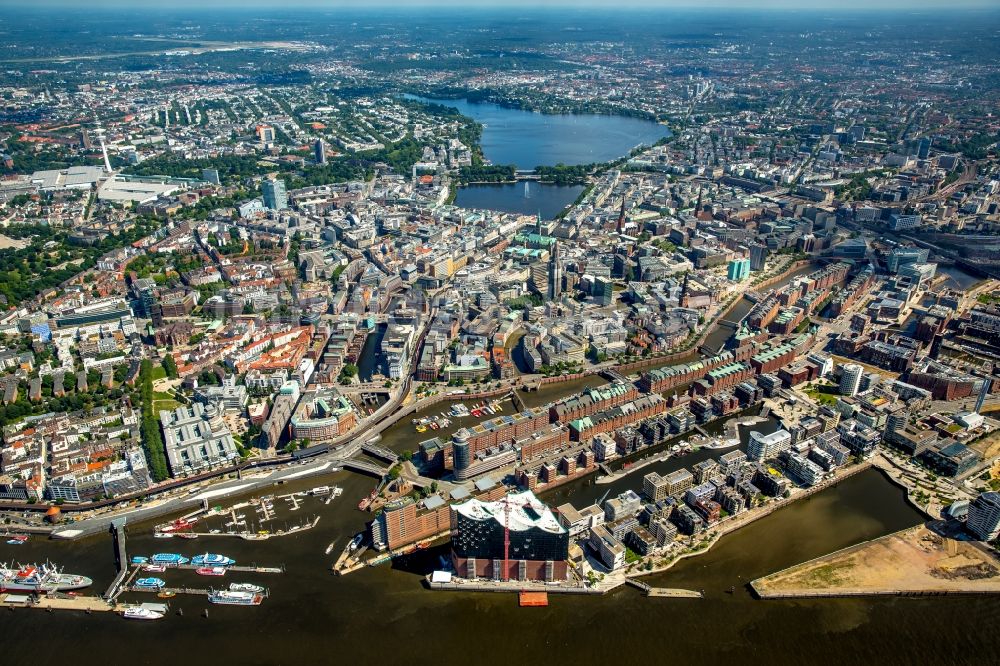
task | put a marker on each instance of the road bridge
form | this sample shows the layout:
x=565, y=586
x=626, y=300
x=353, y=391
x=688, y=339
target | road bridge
x=379, y=452
x=364, y=467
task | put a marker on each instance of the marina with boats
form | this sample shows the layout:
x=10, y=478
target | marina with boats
x=459, y=410
x=262, y=512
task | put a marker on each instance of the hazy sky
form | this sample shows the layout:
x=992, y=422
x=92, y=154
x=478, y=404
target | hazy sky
x=611, y=4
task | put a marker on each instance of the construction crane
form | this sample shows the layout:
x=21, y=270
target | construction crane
x=506, y=538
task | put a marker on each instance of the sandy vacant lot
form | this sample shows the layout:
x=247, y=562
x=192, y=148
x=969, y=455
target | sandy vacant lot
x=914, y=560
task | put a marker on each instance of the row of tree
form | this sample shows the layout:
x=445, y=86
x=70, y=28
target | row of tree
x=152, y=440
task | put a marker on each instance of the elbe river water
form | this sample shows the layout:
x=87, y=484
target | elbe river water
x=384, y=615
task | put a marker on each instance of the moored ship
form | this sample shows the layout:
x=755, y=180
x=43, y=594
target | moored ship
x=168, y=558
x=235, y=597
x=40, y=578
x=212, y=560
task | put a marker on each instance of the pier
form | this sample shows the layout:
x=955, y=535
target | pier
x=121, y=558
x=663, y=592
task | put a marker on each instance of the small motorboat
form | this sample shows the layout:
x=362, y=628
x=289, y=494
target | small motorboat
x=141, y=613
x=155, y=568
x=211, y=571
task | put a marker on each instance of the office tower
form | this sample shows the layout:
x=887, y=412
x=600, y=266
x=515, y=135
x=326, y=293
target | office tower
x=275, y=196
x=320, y=151
x=758, y=256
x=739, y=269
x=850, y=379
x=983, y=394
x=603, y=291
x=984, y=516
x=924, y=148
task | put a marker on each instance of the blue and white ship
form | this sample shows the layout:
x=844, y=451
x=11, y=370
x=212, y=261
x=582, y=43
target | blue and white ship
x=212, y=560
x=169, y=558
x=154, y=583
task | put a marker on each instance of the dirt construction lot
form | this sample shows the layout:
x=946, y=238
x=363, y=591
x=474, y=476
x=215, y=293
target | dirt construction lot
x=914, y=560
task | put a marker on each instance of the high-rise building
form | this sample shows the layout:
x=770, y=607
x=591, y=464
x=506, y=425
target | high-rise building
x=515, y=538
x=761, y=446
x=758, y=256
x=603, y=291
x=850, y=379
x=319, y=151
x=275, y=196
x=984, y=516
x=924, y=148
x=739, y=269
x=983, y=394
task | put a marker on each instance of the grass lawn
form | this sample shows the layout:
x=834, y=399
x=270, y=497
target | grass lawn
x=159, y=372
x=164, y=404
x=820, y=397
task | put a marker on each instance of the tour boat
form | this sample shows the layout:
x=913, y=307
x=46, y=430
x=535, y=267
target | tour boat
x=140, y=613
x=212, y=560
x=356, y=541
x=320, y=490
x=155, y=583
x=140, y=559
x=211, y=571
x=169, y=558
x=235, y=598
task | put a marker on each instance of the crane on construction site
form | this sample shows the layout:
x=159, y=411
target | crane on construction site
x=506, y=538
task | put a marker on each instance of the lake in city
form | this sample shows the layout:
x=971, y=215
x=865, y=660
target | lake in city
x=527, y=197
x=529, y=139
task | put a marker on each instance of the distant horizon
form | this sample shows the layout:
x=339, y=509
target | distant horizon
x=791, y=6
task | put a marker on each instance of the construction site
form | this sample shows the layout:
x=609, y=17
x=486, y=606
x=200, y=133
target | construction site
x=920, y=561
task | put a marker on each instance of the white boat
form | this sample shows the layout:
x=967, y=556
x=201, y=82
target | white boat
x=140, y=613
x=245, y=587
x=232, y=598
x=320, y=490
